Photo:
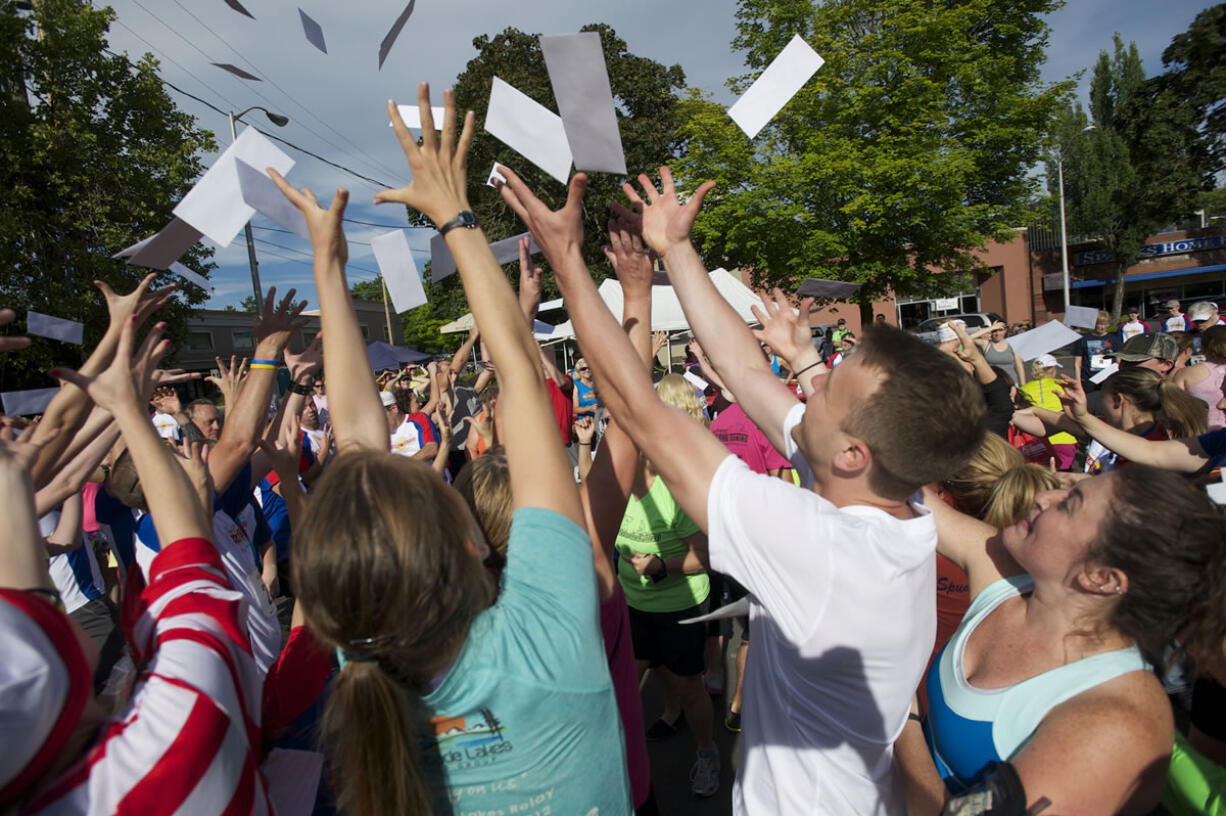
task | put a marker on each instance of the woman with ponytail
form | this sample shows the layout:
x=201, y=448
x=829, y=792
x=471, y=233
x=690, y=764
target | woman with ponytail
x=1140, y=402
x=1046, y=694
x=445, y=702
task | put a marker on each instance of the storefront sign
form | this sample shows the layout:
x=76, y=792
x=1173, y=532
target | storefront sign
x=1155, y=250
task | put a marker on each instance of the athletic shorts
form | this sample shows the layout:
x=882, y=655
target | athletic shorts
x=661, y=640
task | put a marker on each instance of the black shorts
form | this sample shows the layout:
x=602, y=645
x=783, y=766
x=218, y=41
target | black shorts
x=660, y=640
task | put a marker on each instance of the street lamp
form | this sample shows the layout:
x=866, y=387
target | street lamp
x=1063, y=231
x=280, y=121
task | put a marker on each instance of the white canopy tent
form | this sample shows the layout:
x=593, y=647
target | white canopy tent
x=541, y=329
x=666, y=313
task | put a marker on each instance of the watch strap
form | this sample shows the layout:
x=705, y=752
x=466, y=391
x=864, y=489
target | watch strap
x=464, y=219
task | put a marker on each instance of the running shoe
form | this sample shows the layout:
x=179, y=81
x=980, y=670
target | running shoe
x=704, y=776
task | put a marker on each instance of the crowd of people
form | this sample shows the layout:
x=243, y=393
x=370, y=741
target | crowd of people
x=975, y=584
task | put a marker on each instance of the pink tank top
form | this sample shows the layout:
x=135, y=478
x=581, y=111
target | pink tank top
x=1210, y=390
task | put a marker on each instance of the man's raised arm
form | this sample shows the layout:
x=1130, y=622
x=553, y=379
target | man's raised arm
x=684, y=452
x=731, y=348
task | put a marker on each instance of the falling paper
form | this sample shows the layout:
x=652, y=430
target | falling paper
x=778, y=83
x=160, y=250
x=195, y=277
x=1080, y=317
x=696, y=381
x=735, y=609
x=495, y=175
x=238, y=72
x=237, y=6
x=314, y=34
x=399, y=270
x=1101, y=376
x=832, y=290
x=529, y=128
x=394, y=32
x=260, y=192
x=1042, y=340
x=25, y=403
x=215, y=205
x=505, y=251
x=56, y=328
x=580, y=83
x=411, y=114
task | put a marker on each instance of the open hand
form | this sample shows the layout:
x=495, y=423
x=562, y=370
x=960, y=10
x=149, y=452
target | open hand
x=139, y=303
x=194, y=459
x=559, y=233
x=631, y=260
x=529, y=279
x=22, y=448
x=439, y=189
x=327, y=232
x=230, y=379
x=666, y=222
x=785, y=331
x=165, y=400
x=128, y=377
x=308, y=363
x=14, y=342
x=1073, y=399
x=274, y=327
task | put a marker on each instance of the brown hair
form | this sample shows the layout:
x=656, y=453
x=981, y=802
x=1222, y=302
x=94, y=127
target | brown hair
x=972, y=484
x=485, y=484
x=1012, y=497
x=1213, y=343
x=383, y=569
x=1180, y=414
x=1169, y=538
x=926, y=418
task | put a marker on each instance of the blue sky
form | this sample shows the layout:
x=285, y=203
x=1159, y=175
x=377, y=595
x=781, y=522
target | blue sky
x=336, y=102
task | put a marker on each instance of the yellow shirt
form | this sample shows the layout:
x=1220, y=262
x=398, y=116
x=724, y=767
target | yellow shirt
x=1045, y=393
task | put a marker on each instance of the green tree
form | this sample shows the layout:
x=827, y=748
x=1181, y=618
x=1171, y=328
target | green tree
x=1139, y=167
x=1196, y=76
x=908, y=150
x=419, y=327
x=93, y=155
x=644, y=92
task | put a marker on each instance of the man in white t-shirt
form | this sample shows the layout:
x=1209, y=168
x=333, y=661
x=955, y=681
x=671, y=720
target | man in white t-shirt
x=842, y=577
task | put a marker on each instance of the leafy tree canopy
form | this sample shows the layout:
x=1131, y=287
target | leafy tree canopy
x=93, y=155
x=906, y=151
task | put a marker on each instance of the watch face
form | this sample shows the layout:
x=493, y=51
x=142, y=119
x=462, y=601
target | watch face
x=467, y=219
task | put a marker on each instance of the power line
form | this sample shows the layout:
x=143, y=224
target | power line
x=354, y=173
x=172, y=61
x=247, y=86
x=372, y=160
x=266, y=242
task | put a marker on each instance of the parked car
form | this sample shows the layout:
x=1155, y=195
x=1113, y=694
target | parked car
x=974, y=321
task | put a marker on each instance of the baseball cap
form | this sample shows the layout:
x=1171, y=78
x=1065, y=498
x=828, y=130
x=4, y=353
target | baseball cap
x=1148, y=347
x=387, y=398
x=1202, y=310
x=1047, y=361
x=1171, y=304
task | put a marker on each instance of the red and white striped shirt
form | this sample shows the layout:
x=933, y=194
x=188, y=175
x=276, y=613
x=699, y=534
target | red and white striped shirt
x=189, y=739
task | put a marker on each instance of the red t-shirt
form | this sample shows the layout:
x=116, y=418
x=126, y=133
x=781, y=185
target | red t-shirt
x=563, y=410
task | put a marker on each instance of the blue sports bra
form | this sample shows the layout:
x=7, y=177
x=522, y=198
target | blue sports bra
x=968, y=727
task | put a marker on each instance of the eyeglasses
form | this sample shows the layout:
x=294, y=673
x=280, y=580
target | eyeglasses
x=583, y=369
x=318, y=385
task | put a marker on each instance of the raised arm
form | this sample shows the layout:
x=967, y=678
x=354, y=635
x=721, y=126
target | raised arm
x=461, y=356
x=245, y=422
x=730, y=346
x=23, y=559
x=974, y=546
x=69, y=407
x=1181, y=455
x=71, y=477
x=684, y=452
x=540, y=474
x=353, y=399
x=123, y=389
x=788, y=334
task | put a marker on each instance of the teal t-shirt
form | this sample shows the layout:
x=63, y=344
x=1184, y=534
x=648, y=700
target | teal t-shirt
x=526, y=721
x=656, y=525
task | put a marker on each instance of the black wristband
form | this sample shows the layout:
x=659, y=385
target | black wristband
x=465, y=219
x=806, y=368
x=301, y=389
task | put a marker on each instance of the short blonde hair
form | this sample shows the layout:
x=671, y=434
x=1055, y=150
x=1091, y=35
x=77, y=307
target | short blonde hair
x=676, y=391
x=971, y=486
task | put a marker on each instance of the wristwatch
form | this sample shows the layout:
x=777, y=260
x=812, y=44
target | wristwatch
x=663, y=573
x=465, y=219
x=301, y=389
